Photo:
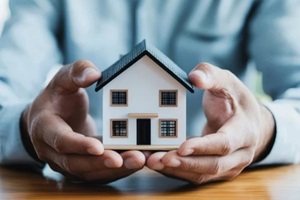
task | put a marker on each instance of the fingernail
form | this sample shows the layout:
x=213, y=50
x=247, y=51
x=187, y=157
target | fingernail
x=95, y=151
x=88, y=71
x=109, y=163
x=186, y=152
x=157, y=166
x=200, y=74
x=173, y=163
x=131, y=164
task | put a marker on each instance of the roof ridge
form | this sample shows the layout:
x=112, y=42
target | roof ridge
x=141, y=49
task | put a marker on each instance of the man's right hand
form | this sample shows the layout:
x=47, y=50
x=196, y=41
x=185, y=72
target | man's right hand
x=61, y=132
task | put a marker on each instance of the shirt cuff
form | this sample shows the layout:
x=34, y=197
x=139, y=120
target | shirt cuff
x=286, y=148
x=12, y=150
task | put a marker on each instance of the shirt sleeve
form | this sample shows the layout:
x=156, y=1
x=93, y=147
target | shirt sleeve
x=28, y=49
x=275, y=48
x=286, y=148
x=11, y=147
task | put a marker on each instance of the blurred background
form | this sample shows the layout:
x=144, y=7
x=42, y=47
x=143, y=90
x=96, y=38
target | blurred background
x=4, y=13
x=256, y=87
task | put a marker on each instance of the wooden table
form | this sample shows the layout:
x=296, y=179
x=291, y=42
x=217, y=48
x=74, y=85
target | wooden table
x=277, y=182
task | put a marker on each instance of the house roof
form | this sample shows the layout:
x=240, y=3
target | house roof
x=140, y=50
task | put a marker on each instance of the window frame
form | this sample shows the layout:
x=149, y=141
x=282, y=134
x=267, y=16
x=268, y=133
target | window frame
x=160, y=128
x=112, y=129
x=118, y=105
x=161, y=96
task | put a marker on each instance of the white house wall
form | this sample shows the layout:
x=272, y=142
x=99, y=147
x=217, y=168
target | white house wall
x=143, y=80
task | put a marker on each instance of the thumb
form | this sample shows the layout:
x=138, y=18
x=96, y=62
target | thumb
x=218, y=81
x=71, y=77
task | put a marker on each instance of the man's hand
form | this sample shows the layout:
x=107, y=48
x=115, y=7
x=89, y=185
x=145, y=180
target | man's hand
x=238, y=131
x=61, y=131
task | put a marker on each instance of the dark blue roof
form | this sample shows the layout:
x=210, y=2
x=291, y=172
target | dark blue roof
x=138, y=52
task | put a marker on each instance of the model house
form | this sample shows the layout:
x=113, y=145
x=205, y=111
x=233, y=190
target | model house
x=144, y=101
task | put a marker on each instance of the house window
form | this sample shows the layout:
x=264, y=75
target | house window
x=168, y=128
x=119, y=128
x=168, y=97
x=118, y=97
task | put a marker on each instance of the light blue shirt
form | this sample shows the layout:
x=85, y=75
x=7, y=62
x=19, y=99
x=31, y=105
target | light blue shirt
x=231, y=34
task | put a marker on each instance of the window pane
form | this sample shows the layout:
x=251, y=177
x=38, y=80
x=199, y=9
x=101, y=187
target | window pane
x=119, y=128
x=168, y=128
x=168, y=98
x=119, y=98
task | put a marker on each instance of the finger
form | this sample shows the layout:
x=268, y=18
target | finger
x=192, y=177
x=212, y=165
x=213, y=144
x=222, y=83
x=197, y=178
x=133, y=160
x=76, y=164
x=209, y=77
x=57, y=134
x=147, y=154
x=154, y=161
x=103, y=169
x=82, y=164
x=233, y=135
x=74, y=76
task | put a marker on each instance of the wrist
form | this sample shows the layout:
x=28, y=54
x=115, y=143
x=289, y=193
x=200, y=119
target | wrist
x=267, y=134
x=26, y=140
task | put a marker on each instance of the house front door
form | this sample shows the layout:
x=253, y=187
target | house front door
x=143, y=131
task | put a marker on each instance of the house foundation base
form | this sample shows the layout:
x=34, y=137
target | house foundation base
x=141, y=147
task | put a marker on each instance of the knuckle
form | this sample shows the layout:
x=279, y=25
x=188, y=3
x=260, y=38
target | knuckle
x=191, y=166
x=215, y=167
x=35, y=127
x=226, y=147
x=66, y=165
x=36, y=131
x=58, y=144
x=205, y=67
